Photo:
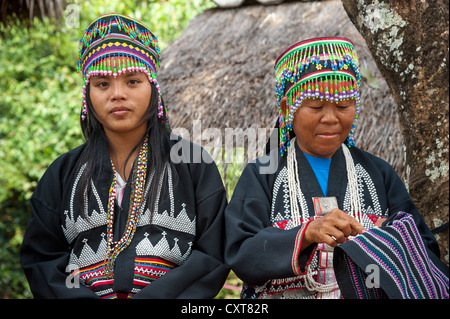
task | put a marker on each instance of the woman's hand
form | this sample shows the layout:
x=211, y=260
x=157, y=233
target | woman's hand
x=332, y=229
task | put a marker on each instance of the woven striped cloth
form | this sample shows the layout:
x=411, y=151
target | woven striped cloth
x=390, y=262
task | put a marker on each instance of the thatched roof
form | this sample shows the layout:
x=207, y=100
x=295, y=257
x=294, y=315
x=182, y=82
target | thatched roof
x=221, y=71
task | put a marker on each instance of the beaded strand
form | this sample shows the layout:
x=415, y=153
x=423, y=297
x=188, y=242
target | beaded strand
x=296, y=194
x=136, y=199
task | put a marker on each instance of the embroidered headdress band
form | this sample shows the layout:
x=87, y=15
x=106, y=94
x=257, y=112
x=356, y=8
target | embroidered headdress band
x=114, y=44
x=320, y=68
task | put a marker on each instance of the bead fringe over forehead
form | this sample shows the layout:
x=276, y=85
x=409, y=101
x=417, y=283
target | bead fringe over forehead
x=114, y=44
x=321, y=68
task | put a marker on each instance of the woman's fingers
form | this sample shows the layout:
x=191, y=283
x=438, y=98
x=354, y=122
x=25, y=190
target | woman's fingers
x=346, y=223
x=333, y=228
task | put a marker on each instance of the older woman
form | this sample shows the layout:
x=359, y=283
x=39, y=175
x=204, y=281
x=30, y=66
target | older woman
x=291, y=234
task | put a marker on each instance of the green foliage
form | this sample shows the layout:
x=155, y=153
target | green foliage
x=230, y=165
x=38, y=122
x=232, y=288
x=41, y=101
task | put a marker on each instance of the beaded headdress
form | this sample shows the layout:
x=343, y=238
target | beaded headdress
x=320, y=68
x=114, y=44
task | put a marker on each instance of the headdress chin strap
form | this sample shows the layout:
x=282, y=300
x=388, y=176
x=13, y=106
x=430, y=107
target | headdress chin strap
x=321, y=68
x=114, y=44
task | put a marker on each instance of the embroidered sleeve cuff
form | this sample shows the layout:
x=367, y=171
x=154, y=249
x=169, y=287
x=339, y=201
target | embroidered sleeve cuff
x=300, y=259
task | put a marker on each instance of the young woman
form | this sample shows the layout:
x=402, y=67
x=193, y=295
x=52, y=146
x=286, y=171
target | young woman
x=288, y=233
x=124, y=215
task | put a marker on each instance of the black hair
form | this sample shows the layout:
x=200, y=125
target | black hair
x=158, y=133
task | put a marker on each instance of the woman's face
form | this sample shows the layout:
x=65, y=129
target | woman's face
x=322, y=126
x=121, y=102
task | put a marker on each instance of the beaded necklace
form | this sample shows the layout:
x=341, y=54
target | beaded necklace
x=296, y=193
x=114, y=248
x=296, y=196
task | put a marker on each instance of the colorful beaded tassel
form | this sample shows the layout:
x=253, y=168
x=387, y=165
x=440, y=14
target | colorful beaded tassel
x=115, y=44
x=322, y=68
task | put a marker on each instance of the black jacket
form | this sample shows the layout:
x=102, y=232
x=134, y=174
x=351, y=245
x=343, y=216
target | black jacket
x=177, y=249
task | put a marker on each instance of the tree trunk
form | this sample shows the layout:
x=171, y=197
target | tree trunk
x=409, y=42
